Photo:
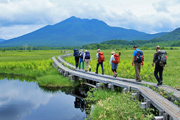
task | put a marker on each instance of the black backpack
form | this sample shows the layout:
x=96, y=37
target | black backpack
x=139, y=56
x=81, y=55
x=76, y=52
x=162, y=57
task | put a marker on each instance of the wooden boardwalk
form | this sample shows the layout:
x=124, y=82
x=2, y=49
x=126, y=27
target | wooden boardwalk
x=167, y=110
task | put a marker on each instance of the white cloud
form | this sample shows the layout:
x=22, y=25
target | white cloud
x=147, y=16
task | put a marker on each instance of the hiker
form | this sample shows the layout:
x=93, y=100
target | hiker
x=100, y=59
x=81, y=59
x=76, y=55
x=137, y=60
x=114, y=60
x=87, y=60
x=160, y=62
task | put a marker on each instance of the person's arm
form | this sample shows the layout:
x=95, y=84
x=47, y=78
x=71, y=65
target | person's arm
x=84, y=56
x=97, y=56
x=110, y=60
x=154, y=59
x=134, y=57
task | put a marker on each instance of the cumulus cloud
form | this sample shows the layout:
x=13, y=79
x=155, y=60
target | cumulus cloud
x=146, y=16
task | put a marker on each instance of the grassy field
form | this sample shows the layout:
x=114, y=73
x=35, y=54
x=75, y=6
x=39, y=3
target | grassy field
x=125, y=69
x=36, y=64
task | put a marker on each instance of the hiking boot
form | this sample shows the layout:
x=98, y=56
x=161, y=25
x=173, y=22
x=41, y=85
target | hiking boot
x=90, y=69
x=138, y=80
x=159, y=84
x=115, y=75
x=102, y=73
x=96, y=72
x=85, y=70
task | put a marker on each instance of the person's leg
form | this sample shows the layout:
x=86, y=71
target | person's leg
x=102, y=67
x=80, y=63
x=156, y=70
x=137, y=70
x=83, y=65
x=161, y=75
x=77, y=61
x=89, y=66
x=97, y=68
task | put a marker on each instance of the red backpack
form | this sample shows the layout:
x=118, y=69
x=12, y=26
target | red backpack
x=101, y=57
x=117, y=59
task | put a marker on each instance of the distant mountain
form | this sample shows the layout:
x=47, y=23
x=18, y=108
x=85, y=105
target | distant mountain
x=76, y=32
x=171, y=36
x=1, y=40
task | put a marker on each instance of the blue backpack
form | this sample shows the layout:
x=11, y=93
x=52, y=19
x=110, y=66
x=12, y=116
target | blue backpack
x=76, y=52
x=139, y=56
x=87, y=55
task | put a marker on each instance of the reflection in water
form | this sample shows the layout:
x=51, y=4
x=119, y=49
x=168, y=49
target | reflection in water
x=21, y=100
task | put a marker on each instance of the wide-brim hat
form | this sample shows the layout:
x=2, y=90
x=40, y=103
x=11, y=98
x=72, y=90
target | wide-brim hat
x=112, y=52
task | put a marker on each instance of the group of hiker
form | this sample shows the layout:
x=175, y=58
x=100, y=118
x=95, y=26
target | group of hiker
x=159, y=60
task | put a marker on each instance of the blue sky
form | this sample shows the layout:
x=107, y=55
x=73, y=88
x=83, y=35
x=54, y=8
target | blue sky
x=18, y=17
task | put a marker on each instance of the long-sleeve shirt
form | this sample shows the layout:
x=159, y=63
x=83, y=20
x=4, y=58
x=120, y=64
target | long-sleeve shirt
x=111, y=59
x=97, y=56
x=155, y=57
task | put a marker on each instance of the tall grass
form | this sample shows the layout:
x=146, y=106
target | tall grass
x=35, y=64
x=111, y=105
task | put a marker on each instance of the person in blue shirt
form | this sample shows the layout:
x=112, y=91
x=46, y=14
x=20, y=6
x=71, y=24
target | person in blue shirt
x=137, y=65
x=81, y=59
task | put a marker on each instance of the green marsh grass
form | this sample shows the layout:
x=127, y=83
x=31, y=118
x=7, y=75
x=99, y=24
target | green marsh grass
x=111, y=105
x=36, y=64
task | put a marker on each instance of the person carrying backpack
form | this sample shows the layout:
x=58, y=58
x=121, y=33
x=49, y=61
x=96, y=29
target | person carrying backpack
x=138, y=59
x=87, y=60
x=114, y=60
x=81, y=59
x=159, y=59
x=76, y=56
x=100, y=59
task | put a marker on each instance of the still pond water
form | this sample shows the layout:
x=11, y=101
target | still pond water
x=21, y=100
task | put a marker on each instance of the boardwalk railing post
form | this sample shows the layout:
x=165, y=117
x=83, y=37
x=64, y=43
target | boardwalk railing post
x=126, y=89
x=148, y=105
x=65, y=73
x=158, y=117
x=71, y=77
x=99, y=85
x=161, y=112
x=110, y=86
x=165, y=116
x=143, y=105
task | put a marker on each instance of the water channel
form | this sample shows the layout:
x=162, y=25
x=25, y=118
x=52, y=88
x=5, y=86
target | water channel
x=23, y=100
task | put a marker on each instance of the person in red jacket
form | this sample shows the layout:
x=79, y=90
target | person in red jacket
x=100, y=59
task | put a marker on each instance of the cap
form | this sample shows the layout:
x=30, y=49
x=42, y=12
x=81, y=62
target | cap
x=135, y=46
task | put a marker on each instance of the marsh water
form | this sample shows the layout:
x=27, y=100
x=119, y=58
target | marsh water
x=22, y=100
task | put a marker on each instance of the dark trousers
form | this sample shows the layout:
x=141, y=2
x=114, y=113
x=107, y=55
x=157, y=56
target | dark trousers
x=100, y=63
x=114, y=70
x=77, y=61
x=158, y=69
